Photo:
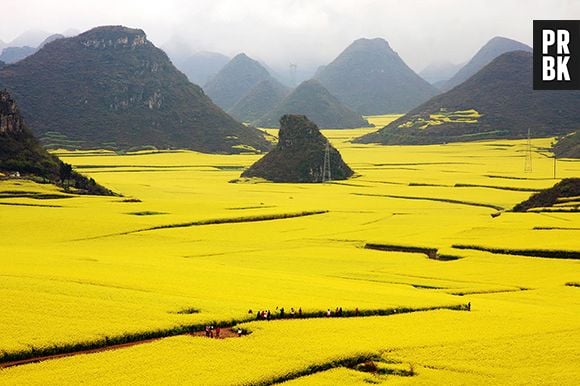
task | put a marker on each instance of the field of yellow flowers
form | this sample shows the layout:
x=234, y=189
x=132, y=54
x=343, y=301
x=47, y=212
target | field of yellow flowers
x=184, y=247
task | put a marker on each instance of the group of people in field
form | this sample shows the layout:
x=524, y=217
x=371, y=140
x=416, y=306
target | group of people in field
x=282, y=314
x=267, y=315
x=212, y=331
x=338, y=312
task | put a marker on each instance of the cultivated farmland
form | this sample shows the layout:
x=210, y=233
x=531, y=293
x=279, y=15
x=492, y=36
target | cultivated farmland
x=408, y=249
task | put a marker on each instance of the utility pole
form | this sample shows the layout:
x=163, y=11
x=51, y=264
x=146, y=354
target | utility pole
x=528, y=161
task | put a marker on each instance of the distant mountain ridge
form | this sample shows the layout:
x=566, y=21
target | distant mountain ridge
x=310, y=98
x=234, y=80
x=260, y=100
x=31, y=38
x=486, y=54
x=14, y=54
x=111, y=88
x=201, y=66
x=497, y=102
x=371, y=78
x=438, y=72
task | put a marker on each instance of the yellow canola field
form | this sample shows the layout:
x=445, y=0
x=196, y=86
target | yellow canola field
x=72, y=271
x=497, y=342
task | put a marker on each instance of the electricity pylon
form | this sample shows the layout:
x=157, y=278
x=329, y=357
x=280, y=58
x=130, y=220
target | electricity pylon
x=326, y=176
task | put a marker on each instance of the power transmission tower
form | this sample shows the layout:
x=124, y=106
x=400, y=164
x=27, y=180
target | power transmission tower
x=293, y=68
x=326, y=176
x=528, y=161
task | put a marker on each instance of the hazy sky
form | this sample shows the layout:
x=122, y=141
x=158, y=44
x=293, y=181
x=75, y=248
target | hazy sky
x=299, y=31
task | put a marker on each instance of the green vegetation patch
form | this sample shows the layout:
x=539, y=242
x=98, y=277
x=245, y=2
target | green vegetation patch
x=242, y=148
x=566, y=191
x=431, y=253
x=187, y=311
x=146, y=213
x=230, y=167
x=58, y=140
x=130, y=200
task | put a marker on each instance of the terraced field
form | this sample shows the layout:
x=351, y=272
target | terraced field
x=410, y=249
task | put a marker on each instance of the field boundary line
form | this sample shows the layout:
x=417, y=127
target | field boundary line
x=216, y=221
x=446, y=200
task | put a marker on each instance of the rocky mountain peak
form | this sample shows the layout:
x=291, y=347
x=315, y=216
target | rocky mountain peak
x=113, y=37
x=302, y=154
x=297, y=130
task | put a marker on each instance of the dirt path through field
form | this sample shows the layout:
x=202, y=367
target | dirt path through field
x=225, y=333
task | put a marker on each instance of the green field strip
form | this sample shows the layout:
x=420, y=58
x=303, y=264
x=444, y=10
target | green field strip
x=546, y=253
x=33, y=195
x=485, y=292
x=555, y=229
x=515, y=189
x=33, y=205
x=445, y=200
x=216, y=221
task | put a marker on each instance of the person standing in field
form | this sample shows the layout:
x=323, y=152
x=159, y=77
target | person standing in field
x=207, y=331
x=328, y=313
x=292, y=313
x=282, y=313
x=240, y=332
x=268, y=315
x=300, y=312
